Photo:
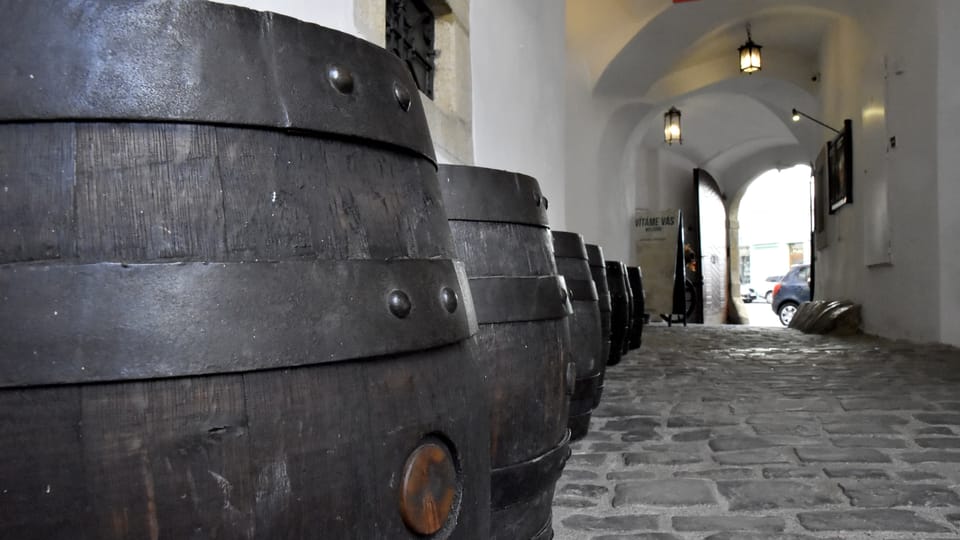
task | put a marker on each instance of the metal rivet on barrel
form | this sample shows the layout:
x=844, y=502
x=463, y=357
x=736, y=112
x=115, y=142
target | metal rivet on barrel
x=340, y=79
x=536, y=199
x=448, y=297
x=428, y=489
x=402, y=95
x=399, y=304
x=546, y=203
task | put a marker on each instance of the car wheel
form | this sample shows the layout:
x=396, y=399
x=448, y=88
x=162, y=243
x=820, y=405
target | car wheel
x=768, y=297
x=786, y=312
x=747, y=300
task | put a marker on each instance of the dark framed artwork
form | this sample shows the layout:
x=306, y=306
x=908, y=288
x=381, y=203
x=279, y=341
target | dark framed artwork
x=821, y=201
x=840, y=159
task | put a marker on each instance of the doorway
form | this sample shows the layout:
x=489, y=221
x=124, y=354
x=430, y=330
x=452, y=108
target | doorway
x=775, y=220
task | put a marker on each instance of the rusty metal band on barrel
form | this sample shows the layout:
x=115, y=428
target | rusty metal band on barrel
x=523, y=481
x=202, y=62
x=581, y=401
x=518, y=299
x=66, y=323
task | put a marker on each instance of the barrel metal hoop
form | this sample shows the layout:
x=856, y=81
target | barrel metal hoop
x=546, y=532
x=202, y=62
x=584, y=395
x=583, y=290
x=517, y=299
x=523, y=481
x=480, y=194
x=595, y=256
x=614, y=270
x=65, y=324
x=586, y=387
x=569, y=245
x=605, y=305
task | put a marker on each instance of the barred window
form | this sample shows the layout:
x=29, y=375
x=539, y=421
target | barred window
x=410, y=36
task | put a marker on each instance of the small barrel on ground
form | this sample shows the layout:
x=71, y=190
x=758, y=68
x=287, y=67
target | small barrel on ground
x=585, y=327
x=499, y=224
x=635, y=276
x=620, y=315
x=599, y=272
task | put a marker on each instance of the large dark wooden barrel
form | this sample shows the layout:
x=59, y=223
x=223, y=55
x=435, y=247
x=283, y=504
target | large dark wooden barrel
x=500, y=231
x=620, y=311
x=599, y=272
x=228, y=299
x=630, y=319
x=635, y=277
x=585, y=328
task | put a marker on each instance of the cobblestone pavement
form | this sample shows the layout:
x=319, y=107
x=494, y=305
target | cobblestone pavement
x=726, y=433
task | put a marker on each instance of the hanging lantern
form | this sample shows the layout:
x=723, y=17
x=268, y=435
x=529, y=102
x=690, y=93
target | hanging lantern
x=749, y=55
x=671, y=126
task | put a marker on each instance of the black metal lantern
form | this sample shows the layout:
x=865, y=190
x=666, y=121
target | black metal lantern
x=750, y=55
x=671, y=126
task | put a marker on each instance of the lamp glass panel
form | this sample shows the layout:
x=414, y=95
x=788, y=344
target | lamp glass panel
x=671, y=126
x=750, y=58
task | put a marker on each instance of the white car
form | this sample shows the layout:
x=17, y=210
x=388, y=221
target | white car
x=764, y=289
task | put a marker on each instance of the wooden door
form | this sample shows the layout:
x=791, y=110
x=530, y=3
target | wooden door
x=709, y=242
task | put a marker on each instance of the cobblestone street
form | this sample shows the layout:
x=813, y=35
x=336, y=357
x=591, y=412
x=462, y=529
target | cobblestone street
x=726, y=433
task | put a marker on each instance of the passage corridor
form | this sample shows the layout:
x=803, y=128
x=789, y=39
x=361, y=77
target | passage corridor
x=726, y=433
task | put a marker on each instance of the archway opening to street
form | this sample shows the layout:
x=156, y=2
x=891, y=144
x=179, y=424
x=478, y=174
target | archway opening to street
x=774, y=218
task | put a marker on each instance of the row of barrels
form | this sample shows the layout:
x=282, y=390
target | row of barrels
x=239, y=300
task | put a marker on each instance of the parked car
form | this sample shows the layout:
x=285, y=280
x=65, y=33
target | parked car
x=747, y=293
x=792, y=290
x=764, y=289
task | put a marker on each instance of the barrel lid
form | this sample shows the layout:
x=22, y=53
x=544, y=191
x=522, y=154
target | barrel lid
x=202, y=62
x=481, y=194
x=595, y=255
x=568, y=244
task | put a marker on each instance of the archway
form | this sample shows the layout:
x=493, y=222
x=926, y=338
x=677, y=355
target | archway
x=773, y=213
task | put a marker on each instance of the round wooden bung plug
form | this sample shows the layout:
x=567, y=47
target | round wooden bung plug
x=428, y=489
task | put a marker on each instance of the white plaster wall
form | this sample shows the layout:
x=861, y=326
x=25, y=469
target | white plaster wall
x=584, y=128
x=518, y=62
x=338, y=14
x=901, y=299
x=948, y=148
x=604, y=160
x=612, y=172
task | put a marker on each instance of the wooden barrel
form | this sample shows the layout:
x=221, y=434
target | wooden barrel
x=500, y=231
x=629, y=291
x=635, y=277
x=630, y=315
x=620, y=314
x=599, y=272
x=228, y=297
x=585, y=328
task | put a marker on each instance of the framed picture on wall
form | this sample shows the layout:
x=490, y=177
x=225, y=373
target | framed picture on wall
x=821, y=201
x=840, y=159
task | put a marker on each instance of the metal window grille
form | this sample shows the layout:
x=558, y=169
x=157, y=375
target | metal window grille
x=410, y=36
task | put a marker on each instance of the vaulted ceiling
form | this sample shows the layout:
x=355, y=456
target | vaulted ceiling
x=663, y=54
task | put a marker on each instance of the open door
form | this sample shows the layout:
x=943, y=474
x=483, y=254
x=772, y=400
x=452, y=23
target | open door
x=709, y=244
